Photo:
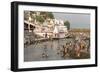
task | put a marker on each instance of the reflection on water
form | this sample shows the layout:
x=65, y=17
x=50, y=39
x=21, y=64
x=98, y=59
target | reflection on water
x=50, y=50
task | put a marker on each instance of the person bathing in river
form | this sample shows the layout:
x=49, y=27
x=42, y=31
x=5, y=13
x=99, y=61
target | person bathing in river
x=77, y=49
x=67, y=46
x=44, y=54
x=65, y=51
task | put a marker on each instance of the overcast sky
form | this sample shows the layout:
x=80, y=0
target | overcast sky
x=76, y=20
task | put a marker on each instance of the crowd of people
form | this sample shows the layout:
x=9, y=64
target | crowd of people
x=75, y=49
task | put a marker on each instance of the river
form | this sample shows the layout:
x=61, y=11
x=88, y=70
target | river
x=48, y=50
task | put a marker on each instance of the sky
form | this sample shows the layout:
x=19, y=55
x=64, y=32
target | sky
x=76, y=20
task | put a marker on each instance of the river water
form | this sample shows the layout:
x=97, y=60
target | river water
x=48, y=50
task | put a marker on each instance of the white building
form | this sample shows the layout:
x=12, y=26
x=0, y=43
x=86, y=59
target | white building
x=51, y=28
x=60, y=30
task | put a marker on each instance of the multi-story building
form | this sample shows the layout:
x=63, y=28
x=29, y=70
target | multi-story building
x=51, y=28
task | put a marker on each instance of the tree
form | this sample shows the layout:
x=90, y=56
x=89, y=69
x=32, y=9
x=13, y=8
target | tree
x=50, y=15
x=67, y=24
x=40, y=19
x=47, y=15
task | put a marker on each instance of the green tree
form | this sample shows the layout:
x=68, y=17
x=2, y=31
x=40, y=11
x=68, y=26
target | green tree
x=47, y=15
x=50, y=15
x=40, y=19
x=67, y=24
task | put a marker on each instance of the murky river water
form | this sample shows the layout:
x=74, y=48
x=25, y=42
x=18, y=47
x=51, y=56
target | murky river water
x=49, y=50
